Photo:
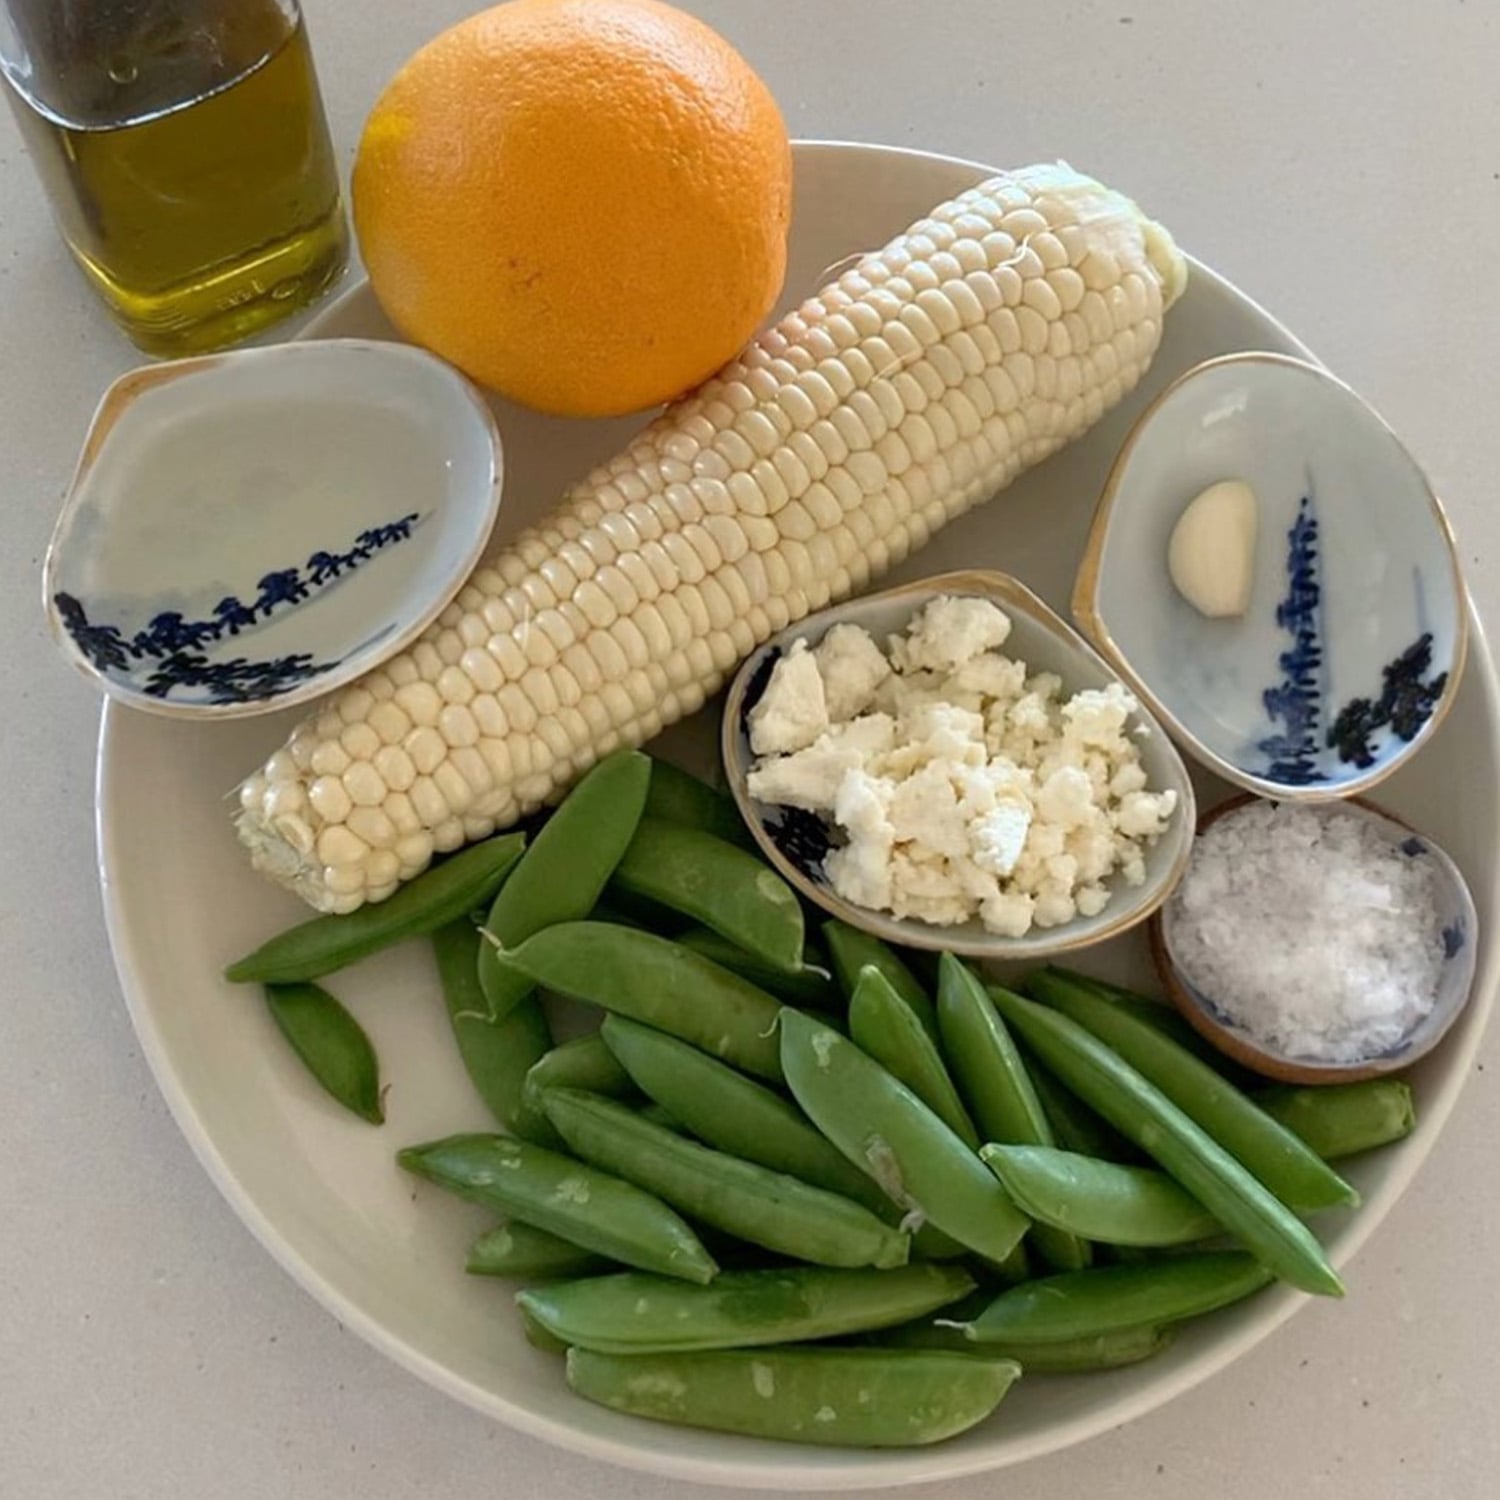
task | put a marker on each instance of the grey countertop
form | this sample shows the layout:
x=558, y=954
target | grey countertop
x=1341, y=162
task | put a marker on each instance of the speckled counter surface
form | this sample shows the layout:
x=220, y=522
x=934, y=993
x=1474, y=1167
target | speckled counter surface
x=1341, y=162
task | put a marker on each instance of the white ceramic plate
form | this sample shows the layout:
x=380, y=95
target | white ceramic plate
x=320, y=1189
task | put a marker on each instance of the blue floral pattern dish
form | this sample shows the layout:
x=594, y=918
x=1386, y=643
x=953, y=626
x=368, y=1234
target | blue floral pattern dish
x=247, y=531
x=1355, y=637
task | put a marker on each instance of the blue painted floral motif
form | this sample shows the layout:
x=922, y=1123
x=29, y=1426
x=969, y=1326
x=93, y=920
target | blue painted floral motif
x=1296, y=701
x=174, y=645
x=1405, y=704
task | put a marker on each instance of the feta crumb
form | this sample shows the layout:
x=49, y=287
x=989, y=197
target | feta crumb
x=793, y=710
x=999, y=838
x=950, y=632
x=852, y=667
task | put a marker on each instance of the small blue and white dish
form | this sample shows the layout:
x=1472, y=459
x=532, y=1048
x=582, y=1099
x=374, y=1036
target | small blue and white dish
x=1353, y=643
x=248, y=531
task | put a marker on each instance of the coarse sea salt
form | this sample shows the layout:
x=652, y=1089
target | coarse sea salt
x=1310, y=930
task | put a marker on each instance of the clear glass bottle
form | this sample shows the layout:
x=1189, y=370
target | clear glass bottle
x=185, y=154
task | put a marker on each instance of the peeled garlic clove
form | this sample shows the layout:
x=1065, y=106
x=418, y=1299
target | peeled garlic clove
x=1211, y=557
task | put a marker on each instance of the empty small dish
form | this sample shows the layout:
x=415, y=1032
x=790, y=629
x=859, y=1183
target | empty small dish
x=798, y=841
x=1345, y=954
x=247, y=531
x=1350, y=650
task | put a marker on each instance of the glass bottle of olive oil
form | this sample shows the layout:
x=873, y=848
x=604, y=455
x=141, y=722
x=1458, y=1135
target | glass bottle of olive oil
x=184, y=150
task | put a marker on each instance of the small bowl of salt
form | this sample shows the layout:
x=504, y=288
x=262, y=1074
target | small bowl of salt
x=1317, y=943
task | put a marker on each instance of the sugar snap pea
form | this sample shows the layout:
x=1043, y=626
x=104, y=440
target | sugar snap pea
x=811, y=985
x=1106, y=1299
x=635, y=1314
x=882, y=1024
x=1100, y=1351
x=677, y=797
x=998, y=1089
x=560, y=877
x=438, y=896
x=566, y=1198
x=1266, y=1148
x=496, y=1052
x=1075, y=1125
x=1098, y=1200
x=856, y=1398
x=757, y=1205
x=539, y=1338
x=654, y=980
x=718, y=884
x=583, y=1063
x=850, y=950
x=734, y=1113
x=1343, y=1119
x=886, y=1131
x=517, y=1249
x=1200, y=1164
x=331, y=1044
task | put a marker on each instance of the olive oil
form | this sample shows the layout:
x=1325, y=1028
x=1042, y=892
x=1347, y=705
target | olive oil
x=187, y=161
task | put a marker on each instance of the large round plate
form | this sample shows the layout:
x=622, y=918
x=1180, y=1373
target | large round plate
x=320, y=1189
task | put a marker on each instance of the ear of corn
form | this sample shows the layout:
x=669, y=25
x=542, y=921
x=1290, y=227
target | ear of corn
x=924, y=379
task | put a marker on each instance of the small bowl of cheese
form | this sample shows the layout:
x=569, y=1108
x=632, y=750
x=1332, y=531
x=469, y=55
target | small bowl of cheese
x=948, y=765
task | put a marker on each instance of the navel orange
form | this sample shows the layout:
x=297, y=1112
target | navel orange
x=583, y=204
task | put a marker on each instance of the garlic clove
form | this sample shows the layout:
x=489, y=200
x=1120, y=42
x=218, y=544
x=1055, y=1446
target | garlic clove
x=1211, y=556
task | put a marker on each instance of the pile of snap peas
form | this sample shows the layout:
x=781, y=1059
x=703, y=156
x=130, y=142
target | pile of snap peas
x=808, y=1191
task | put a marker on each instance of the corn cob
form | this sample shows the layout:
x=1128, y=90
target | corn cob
x=924, y=379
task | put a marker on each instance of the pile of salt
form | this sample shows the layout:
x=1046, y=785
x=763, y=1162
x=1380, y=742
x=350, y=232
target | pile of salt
x=1310, y=930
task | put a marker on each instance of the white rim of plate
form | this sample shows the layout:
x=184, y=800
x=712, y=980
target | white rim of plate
x=918, y=1466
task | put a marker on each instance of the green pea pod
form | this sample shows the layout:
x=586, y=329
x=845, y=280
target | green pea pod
x=496, y=1053
x=677, y=797
x=566, y=1198
x=562, y=874
x=652, y=1111
x=1075, y=1125
x=331, y=1044
x=633, y=1314
x=440, y=895
x=517, y=1249
x=998, y=1089
x=1344, y=1119
x=1144, y=1114
x=718, y=884
x=765, y=1208
x=1266, y=1148
x=539, y=1338
x=810, y=986
x=1084, y=1304
x=1098, y=1200
x=850, y=951
x=654, y=980
x=882, y=1024
x=887, y=1132
x=584, y=1063
x=732, y=1113
x=851, y=1398
x=1100, y=1351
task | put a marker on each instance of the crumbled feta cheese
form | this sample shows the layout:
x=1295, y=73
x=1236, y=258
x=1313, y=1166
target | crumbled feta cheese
x=999, y=838
x=811, y=778
x=852, y=667
x=948, y=633
x=861, y=869
x=963, y=786
x=793, y=710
